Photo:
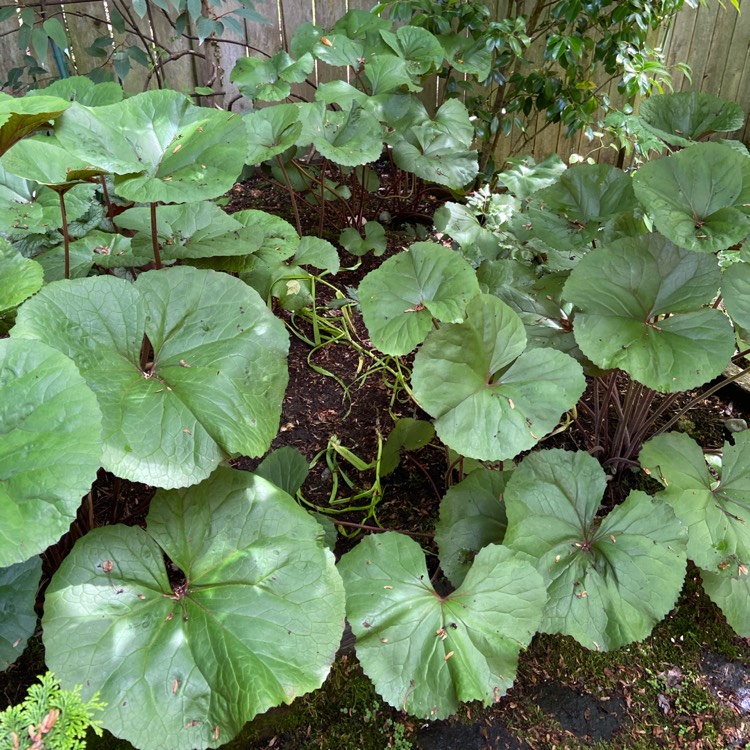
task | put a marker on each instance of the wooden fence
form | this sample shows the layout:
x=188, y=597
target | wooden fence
x=714, y=41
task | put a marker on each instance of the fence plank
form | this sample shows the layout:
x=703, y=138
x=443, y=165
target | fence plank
x=10, y=56
x=296, y=12
x=86, y=22
x=179, y=73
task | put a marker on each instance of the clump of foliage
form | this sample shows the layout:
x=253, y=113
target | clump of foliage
x=50, y=717
x=143, y=341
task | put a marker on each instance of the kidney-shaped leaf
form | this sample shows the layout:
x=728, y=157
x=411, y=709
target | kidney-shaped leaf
x=717, y=514
x=424, y=652
x=730, y=591
x=401, y=297
x=271, y=131
x=160, y=146
x=49, y=453
x=680, y=118
x=693, y=196
x=270, y=79
x=609, y=581
x=472, y=515
x=213, y=387
x=490, y=399
x=642, y=309
x=254, y=622
x=18, y=587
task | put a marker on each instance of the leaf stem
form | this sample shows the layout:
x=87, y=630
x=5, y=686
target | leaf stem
x=155, y=237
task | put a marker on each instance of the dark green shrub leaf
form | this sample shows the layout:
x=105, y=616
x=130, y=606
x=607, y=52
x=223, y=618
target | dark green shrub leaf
x=254, y=622
x=424, y=652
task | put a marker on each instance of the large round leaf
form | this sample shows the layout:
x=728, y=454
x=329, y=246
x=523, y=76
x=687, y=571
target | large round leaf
x=693, y=196
x=609, y=580
x=401, y=297
x=189, y=231
x=472, y=515
x=49, y=453
x=590, y=193
x=271, y=131
x=255, y=622
x=213, y=387
x=160, y=145
x=641, y=302
x=425, y=652
x=717, y=514
x=346, y=138
x=18, y=586
x=489, y=402
x=21, y=276
x=680, y=118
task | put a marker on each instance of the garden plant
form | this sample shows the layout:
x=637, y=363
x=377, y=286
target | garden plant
x=147, y=338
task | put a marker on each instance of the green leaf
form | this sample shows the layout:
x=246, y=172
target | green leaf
x=353, y=242
x=55, y=31
x=610, y=580
x=285, y=467
x=687, y=116
x=439, y=150
x=525, y=177
x=730, y=591
x=642, y=309
x=255, y=623
x=472, y=515
x=715, y=513
x=18, y=588
x=269, y=79
x=215, y=383
x=410, y=434
x=20, y=117
x=588, y=193
x=46, y=161
x=21, y=276
x=189, y=231
x=401, y=297
x=735, y=290
x=82, y=90
x=490, y=399
x=191, y=153
x=271, y=131
x=424, y=652
x=420, y=49
x=693, y=196
x=347, y=138
x=49, y=454
x=318, y=253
